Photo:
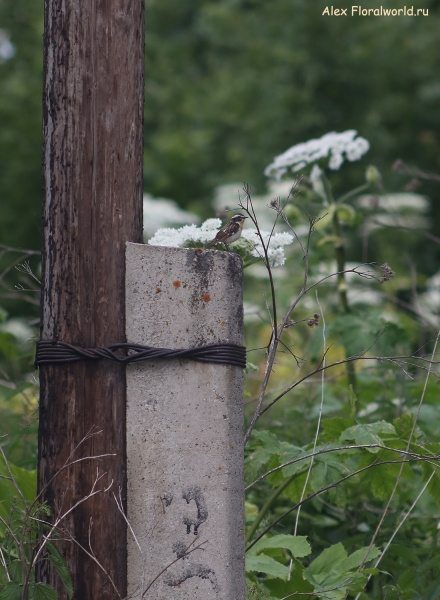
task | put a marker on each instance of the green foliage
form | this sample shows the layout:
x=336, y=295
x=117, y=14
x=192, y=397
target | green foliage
x=23, y=523
x=376, y=442
x=18, y=395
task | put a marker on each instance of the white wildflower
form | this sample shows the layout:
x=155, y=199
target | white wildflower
x=276, y=244
x=211, y=225
x=399, y=202
x=181, y=237
x=7, y=49
x=333, y=145
x=316, y=181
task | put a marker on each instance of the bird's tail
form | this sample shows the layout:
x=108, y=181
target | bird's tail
x=211, y=243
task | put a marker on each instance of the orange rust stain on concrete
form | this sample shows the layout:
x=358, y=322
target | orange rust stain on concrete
x=206, y=297
x=158, y=290
x=222, y=323
x=177, y=283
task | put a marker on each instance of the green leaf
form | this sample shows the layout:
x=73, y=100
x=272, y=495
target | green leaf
x=330, y=239
x=355, y=559
x=325, y=217
x=404, y=426
x=333, y=428
x=15, y=568
x=268, y=447
x=256, y=591
x=8, y=346
x=58, y=561
x=291, y=453
x=27, y=483
x=12, y=591
x=296, y=583
x=325, y=562
x=297, y=545
x=265, y=564
x=346, y=213
x=327, y=472
x=434, y=485
x=42, y=591
x=368, y=434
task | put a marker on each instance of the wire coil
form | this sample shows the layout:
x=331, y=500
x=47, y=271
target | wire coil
x=51, y=352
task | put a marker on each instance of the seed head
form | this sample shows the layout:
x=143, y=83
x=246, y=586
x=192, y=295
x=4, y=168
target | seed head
x=387, y=271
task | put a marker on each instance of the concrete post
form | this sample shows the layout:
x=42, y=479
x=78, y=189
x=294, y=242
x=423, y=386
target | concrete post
x=184, y=427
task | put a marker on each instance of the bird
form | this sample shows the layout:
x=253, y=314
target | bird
x=229, y=233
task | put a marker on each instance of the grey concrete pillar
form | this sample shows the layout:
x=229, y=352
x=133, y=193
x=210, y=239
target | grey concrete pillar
x=184, y=427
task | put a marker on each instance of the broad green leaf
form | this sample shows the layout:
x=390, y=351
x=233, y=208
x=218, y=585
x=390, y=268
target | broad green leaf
x=434, y=485
x=265, y=564
x=42, y=591
x=358, y=332
x=291, y=453
x=268, y=441
x=295, y=583
x=324, y=474
x=8, y=346
x=369, y=434
x=354, y=560
x=256, y=591
x=297, y=545
x=27, y=483
x=330, y=239
x=326, y=561
x=333, y=428
x=3, y=576
x=15, y=568
x=346, y=213
x=12, y=591
x=57, y=559
x=383, y=479
x=404, y=426
x=325, y=217
x=294, y=490
x=268, y=446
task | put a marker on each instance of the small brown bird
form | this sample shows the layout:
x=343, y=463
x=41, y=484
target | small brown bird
x=229, y=233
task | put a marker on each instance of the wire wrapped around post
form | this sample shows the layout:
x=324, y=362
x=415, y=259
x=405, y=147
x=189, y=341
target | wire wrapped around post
x=52, y=352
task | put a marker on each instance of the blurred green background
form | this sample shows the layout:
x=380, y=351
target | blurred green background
x=229, y=85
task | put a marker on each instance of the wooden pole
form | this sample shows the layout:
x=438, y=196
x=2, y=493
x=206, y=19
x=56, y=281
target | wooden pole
x=92, y=180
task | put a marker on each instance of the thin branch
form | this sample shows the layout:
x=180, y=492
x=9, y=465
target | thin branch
x=318, y=426
x=397, y=360
x=321, y=491
x=404, y=518
x=186, y=553
x=421, y=457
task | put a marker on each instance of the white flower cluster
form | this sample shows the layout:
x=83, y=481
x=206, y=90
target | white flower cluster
x=7, y=50
x=276, y=245
x=176, y=238
x=333, y=144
